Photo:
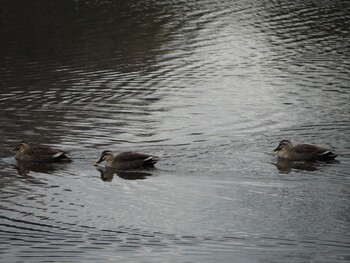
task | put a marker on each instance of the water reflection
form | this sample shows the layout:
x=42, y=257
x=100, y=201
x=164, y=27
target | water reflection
x=209, y=84
x=24, y=168
x=94, y=73
x=286, y=166
x=108, y=174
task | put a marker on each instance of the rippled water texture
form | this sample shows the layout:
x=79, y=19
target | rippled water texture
x=210, y=87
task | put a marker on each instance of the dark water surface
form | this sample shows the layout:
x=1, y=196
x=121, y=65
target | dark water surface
x=209, y=86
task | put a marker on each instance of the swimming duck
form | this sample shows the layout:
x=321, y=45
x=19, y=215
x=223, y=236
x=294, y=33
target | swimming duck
x=38, y=153
x=303, y=152
x=127, y=160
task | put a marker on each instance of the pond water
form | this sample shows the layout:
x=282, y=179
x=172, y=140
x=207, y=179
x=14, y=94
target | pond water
x=209, y=86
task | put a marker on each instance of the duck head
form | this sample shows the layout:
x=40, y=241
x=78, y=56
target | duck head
x=283, y=146
x=22, y=147
x=106, y=156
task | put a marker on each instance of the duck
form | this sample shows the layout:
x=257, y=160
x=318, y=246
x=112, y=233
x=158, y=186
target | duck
x=303, y=152
x=127, y=160
x=39, y=153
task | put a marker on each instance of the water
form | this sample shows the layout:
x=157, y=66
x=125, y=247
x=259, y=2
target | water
x=211, y=88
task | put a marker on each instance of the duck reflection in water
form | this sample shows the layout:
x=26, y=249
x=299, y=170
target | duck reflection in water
x=24, y=168
x=37, y=158
x=286, y=166
x=107, y=174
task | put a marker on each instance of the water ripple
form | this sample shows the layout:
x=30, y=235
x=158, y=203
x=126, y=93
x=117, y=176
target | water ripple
x=210, y=87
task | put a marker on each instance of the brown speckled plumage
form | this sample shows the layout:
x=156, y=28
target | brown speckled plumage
x=39, y=153
x=303, y=152
x=128, y=160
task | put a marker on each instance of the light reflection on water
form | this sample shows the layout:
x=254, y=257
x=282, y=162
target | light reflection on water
x=211, y=88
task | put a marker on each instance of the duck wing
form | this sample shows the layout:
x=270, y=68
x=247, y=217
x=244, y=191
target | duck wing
x=313, y=152
x=43, y=153
x=135, y=156
x=135, y=160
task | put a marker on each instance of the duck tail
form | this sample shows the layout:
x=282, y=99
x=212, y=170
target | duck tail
x=63, y=158
x=150, y=161
x=328, y=155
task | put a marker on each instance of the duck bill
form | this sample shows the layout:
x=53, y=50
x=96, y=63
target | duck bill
x=275, y=150
x=100, y=160
x=13, y=150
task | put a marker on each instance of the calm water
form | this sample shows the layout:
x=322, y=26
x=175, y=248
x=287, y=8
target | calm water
x=209, y=86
